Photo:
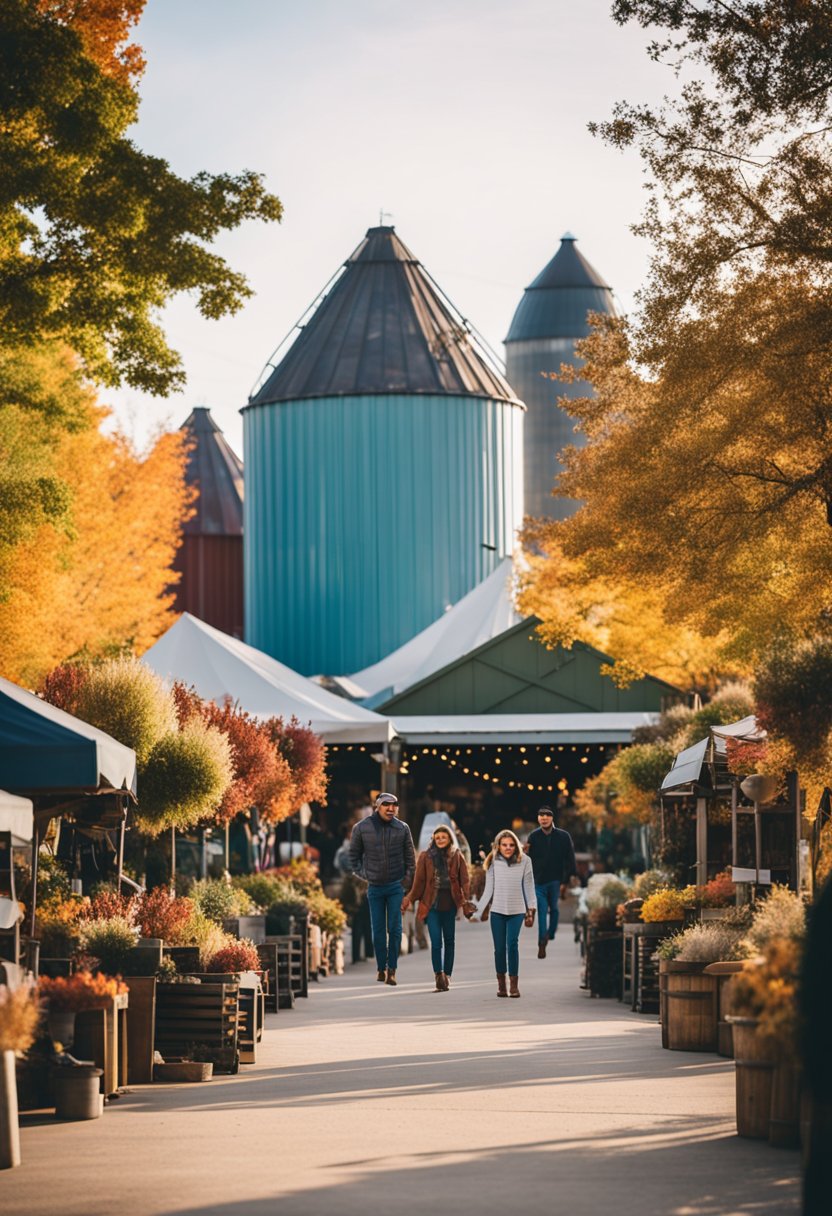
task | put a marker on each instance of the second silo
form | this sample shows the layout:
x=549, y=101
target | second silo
x=549, y=319
x=383, y=469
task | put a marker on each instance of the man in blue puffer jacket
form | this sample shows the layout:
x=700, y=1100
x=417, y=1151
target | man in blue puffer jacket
x=381, y=851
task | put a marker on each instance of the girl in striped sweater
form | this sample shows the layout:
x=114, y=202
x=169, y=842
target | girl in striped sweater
x=509, y=888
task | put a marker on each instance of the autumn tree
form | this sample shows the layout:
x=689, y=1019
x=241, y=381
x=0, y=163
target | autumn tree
x=262, y=777
x=98, y=235
x=98, y=578
x=707, y=476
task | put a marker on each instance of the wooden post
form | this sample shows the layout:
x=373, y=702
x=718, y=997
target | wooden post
x=121, y=831
x=33, y=898
x=173, y=859
x=701, y=841
x=793, y=793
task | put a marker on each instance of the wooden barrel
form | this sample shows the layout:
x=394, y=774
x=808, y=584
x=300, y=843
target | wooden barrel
x=784, y=1115
x=663, y=965
x=725, y=1035
x=755, y=1076
x=691, y=1004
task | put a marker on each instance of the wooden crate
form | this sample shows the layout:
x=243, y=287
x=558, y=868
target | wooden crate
x=203, y=1014
x=292, y=963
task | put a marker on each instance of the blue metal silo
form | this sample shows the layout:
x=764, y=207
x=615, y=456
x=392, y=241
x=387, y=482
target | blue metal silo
x=383, y=469
x=550, y=317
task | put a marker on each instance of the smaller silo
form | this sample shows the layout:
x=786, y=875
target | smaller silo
x=210, y=559
x=550, y=318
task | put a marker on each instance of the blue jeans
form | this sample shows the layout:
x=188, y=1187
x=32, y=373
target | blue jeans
x=442, y=927
x=548, y=900
x=386, y=919
x=505, y=930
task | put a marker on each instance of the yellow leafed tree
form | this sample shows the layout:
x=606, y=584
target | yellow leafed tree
x=107, y=584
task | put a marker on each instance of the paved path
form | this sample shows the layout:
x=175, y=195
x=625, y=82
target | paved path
x=368, y=1100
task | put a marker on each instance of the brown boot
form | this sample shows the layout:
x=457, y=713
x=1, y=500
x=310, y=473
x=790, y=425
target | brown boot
x=382, y=977
x=541, y=948
x=440, y=981
x=446, y=981
x=513, y=990
x=391, y=978
x=501, y=984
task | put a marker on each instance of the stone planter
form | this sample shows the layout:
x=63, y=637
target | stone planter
x=9, y=1127
x=183, y=1070
x=78, y=1093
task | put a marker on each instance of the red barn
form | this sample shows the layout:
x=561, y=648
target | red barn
x=210, y=559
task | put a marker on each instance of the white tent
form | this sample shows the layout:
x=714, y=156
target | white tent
x=16, y=816
x=478, y=617
x=219, y=666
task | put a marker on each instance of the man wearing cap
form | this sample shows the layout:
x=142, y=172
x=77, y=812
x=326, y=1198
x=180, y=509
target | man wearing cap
x=553, y=864
x=381, y=851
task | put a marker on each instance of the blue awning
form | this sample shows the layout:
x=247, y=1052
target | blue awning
x=45, y=750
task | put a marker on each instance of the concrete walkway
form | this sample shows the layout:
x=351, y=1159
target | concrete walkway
x=368, y=1100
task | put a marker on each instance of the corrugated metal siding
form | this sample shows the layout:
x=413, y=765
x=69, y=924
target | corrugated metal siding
x=211, y=586
x=366, y=516
x=548, y=428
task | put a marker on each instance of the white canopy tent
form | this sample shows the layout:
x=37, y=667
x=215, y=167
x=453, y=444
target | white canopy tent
x=487, y=729
x=219, y=666
x=17, y=817
x=481, y=615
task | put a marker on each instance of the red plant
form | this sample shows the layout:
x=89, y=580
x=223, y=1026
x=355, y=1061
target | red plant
x=160, y=914
x=306, y=753
x=236, y=956
x=62, y=686
x=80, y=991
x=105, y=904
x=262, y=776
x=720, y=892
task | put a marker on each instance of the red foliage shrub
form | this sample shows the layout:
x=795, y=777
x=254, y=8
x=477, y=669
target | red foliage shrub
x=236, y=956
x=159, y=914
x=63, y=685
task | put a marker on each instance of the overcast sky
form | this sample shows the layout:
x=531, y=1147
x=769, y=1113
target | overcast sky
x=465, y=120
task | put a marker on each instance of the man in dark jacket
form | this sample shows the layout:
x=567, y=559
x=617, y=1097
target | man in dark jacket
x=553, y=864
x=381, y=851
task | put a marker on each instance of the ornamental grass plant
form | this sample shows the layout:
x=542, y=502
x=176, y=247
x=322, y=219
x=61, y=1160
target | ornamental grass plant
x=219, y=900
x=767, y=989
x=782, y=914
x=19, y=1016
x=110, y=941
x=710, y=942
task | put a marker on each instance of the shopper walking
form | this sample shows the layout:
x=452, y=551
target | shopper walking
x=509, y=889
x=442, y=888
x=381, y=851
x=553, y=862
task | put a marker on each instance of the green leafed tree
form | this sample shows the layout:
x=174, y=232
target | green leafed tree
x=96, y=235
x=707, y=478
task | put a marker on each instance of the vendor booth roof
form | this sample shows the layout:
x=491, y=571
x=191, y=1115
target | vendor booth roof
x=45, y=750
x=478, y=617
x=219, y=666
x=17, y=817
x=485, y=729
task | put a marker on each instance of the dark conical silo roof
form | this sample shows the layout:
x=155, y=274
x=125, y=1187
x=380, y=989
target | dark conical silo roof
x=217, y=474
x=384, y=327
x=556, y=304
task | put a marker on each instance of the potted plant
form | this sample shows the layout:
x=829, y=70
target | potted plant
x=690, y=994
x=110, y=941
x=765, y=1021
x=19, y=1015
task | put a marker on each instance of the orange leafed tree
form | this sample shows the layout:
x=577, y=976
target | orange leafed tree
x=107, y=583
x=103, y=27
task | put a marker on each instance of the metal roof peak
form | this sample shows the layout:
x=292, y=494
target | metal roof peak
x=216, y=472
x=383, y=326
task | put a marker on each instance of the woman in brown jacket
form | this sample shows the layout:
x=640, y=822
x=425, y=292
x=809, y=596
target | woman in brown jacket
x=441, y=886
